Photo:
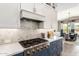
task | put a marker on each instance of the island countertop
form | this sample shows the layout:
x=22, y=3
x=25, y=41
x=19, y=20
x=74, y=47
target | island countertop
x=54, y=38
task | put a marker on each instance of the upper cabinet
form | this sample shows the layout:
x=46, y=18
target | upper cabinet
x=50, y=15
x=9, y=15
x=27, y=6
x=33, y=7
x=39, y=7
x=30, y=11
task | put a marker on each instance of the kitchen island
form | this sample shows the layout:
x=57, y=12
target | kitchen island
x=55, y=48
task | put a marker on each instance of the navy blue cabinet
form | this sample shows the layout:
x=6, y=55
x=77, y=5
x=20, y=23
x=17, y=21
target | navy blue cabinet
x=55, y=48
x=44, y=52
x=52, y=49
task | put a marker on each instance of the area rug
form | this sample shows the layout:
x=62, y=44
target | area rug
x=72, y=42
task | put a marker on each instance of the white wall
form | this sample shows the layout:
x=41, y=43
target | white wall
x=9, y=15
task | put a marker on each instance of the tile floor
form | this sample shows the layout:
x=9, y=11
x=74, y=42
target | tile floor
x=71, y=48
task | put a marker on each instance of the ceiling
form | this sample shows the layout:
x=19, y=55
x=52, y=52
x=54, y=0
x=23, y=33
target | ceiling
x=64, y=6
x=63, y=10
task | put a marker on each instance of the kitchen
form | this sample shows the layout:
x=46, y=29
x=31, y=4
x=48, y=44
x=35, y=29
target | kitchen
x=29, y=29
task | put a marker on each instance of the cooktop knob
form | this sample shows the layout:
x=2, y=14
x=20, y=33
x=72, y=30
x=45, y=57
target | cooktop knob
x=46, y=46
x=28, y=53
x=41, y=47
x=33, y=50
x=38, y=49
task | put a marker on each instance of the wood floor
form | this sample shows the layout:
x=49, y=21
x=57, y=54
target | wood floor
x=70, y=50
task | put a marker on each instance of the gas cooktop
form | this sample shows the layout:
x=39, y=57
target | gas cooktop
x=32, y=42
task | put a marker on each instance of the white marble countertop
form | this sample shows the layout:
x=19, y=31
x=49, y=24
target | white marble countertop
x=15, y=48
x=10, y=49
x=54, y=38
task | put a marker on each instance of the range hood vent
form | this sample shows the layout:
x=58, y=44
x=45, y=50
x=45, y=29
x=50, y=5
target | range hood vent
x=31, y=15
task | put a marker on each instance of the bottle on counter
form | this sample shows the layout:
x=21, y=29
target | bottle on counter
x=50, y=34
x=43, y=35
x=54, y=32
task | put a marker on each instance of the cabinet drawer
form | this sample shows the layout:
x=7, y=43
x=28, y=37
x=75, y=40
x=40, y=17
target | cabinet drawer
x=43, y=52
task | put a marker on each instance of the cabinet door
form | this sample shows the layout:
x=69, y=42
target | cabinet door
x=43, y=52
x=27, y=6
x=49, y=13
x=39, y=8
x=9, y=15
x=52, y=49
x=59, y=46
x=31, y=6
x=55, y=48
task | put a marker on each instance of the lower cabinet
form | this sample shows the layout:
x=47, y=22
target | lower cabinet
x=54, y=49
x=44, y=52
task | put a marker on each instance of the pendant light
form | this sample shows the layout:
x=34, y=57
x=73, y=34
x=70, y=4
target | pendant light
x=68, y=21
